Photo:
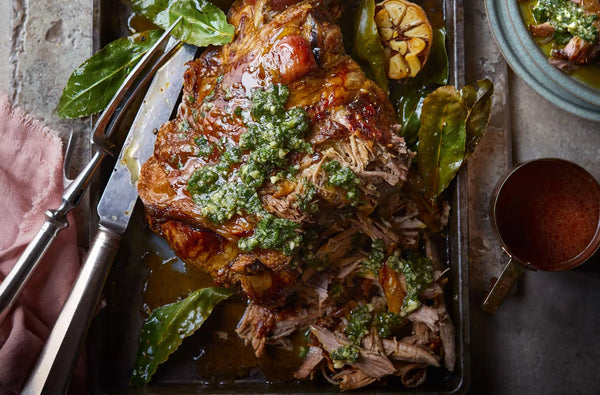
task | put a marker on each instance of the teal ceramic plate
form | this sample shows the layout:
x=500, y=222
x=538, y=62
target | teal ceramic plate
x=529, y=62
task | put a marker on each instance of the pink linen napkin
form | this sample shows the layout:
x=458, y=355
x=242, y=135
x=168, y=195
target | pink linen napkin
x=30, y=182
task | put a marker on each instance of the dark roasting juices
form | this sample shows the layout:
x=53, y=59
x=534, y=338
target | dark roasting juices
x=547, y=213
x=217, y=352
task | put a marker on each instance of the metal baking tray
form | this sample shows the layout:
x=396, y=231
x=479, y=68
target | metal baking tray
x=113, y=337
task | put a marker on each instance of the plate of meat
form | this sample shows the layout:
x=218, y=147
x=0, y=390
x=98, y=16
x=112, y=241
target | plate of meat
x=285, y=179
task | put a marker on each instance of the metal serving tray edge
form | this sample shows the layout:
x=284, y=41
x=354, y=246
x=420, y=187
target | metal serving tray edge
x=110, y=357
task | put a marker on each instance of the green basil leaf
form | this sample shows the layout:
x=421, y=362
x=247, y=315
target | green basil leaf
x=367, y=50
x=203, y=23
x=408, y=94
x=478, y=100
x=442, y=139
x=93, y=84
x=167, y=326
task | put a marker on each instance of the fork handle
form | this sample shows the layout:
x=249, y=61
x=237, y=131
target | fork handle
x=15, y=280
x=54, y=367
x=56, y=220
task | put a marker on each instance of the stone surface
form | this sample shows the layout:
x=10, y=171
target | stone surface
x=48, y=40
x=543, y=338
x=493, y=156
x=545, y=130
x=5, y=14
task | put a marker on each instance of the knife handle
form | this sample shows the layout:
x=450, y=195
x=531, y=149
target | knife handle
x=52, y=372
x=12, y=285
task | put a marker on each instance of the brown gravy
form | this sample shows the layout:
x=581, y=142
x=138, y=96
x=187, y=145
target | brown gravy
x=547, y=213
x=219, y=354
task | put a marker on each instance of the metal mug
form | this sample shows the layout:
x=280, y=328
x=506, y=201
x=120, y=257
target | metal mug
x=546, y=213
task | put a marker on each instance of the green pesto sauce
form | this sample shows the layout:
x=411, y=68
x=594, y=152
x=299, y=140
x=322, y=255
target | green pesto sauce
x=273, y=233
x=308, y=248
x=274, y=134
x=306, y=202
x=342, y=177
x=345, y=354
x=567, y=18
x=212, y=190
x=222, y=189
x=418, y=273
x=587, y=74
x=376, y=257
x=363, y=317
x=205, y=148
x=385, y=322
x=358, y=323
x=303, y=352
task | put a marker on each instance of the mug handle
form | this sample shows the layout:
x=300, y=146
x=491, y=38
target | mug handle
x=511, y=273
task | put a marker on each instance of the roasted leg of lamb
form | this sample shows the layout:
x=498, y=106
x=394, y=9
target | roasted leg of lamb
x=281, y=169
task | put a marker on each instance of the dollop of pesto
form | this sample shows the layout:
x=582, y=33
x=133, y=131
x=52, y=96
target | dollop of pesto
x=385, y=322
x=376, y=257
x=229, y=186
x=418, y=272
x=212, y=190
x=274, y=134
x=273, y=233
x=345, y=354
x=567, y=18
x=306, y=202
x=342, y=177
x=205, y=148
x=303, y=352
x=358, y=323
x=363, y=317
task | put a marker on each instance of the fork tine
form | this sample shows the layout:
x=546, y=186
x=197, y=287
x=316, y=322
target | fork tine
x=101, y=138
x=113, y=106
x=68, y=156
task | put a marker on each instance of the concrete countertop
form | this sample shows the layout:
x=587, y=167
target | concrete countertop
x=544, y=337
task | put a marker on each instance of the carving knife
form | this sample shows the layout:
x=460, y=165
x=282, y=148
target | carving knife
x=104, y=144
x=55, y=364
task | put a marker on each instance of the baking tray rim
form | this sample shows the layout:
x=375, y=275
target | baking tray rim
x=458, y=242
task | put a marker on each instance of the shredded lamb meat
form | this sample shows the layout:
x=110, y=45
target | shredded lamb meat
x=319, y=284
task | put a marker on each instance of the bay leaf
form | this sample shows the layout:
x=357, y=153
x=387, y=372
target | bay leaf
x=203, y=23
x=407, y=95
x=409, y=112
x=442, y=139
x=437, y=69
x=167, y=326
x=367, y=48
x=478, y=101
x=93, y=84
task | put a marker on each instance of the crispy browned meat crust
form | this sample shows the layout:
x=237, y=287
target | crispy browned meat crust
x=276, y=42
x=297, y=43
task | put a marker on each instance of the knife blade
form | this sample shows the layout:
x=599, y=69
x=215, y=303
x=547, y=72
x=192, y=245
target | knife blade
x=54, y=367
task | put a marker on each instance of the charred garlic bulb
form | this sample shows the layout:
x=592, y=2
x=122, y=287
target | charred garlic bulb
x=406, y=35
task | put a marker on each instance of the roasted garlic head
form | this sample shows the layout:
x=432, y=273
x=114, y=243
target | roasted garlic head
x=406, y=35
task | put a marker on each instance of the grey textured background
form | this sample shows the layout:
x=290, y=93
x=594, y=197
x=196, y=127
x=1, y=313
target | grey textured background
x=544, y=338
x=43, y=41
